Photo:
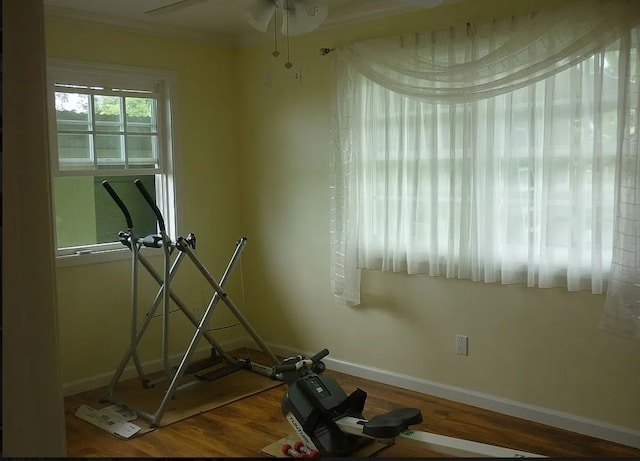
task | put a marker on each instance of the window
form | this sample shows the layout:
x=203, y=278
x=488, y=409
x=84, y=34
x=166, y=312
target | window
x=511, y=181
x=108, y=123
x=492, y=151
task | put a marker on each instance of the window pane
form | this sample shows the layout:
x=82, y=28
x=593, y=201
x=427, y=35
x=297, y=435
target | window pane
x=142, y=151
x=109, y=151
x=108, y=113
x=141, y=115
x=87, y=215
x=74, y=151
x=72, y=112
x=75, y=209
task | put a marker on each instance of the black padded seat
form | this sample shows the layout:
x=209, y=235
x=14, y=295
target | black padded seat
x=393, y=423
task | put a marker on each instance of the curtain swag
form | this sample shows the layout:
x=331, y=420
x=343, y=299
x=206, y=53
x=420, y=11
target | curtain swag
x=532, y=48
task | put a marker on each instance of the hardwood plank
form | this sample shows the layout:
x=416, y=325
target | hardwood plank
x=242, y=428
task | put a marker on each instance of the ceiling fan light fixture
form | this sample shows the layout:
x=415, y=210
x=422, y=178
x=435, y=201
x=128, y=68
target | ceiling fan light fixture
x=260, y=14
x=302, y=16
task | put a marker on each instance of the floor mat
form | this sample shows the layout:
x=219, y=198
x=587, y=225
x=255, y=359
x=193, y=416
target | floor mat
x=202, y=396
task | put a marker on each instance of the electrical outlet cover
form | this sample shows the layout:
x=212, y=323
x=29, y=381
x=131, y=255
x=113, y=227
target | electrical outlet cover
x=462, y=344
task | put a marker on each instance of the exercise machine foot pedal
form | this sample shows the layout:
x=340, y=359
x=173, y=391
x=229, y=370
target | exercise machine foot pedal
x=203, y=364
x=393, y=423
x=221, y=372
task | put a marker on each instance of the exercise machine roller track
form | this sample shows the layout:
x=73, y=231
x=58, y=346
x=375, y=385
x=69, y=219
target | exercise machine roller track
x=329, y=421
x=224, y=363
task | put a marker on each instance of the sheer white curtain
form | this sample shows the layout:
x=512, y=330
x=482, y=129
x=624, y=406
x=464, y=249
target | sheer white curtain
x=486, y=151
x=622, y=305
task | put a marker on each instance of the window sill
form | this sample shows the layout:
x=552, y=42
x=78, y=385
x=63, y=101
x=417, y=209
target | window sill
x=98, y=257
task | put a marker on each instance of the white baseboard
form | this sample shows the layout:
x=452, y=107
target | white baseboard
x=567, y=421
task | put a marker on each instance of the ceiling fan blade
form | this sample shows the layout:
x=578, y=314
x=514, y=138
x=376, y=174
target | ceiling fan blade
x=424, y=3
x=260, y=14
x=174, y=6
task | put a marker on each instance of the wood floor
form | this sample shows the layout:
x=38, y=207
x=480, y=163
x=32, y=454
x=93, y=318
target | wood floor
x=242, y=428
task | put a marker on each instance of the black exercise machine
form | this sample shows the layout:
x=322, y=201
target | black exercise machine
x=330, y=423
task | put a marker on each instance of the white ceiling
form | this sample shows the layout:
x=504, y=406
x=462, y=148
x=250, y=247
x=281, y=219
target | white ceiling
x=221, y=21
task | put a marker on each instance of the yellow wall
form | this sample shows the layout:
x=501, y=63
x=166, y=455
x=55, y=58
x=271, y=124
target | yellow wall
x=255, y=161
x=536, y=346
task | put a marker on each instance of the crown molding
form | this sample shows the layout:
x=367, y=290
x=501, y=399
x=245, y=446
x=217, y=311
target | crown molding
x=72, y=16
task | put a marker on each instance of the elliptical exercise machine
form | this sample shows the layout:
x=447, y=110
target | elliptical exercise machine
x=225, y=364
x=330, y=423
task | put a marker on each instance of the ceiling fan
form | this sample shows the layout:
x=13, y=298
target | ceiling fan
x=299, y=16
x=302, y=16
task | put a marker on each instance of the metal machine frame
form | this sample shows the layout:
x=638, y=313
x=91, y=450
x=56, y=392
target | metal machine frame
x=185, y=248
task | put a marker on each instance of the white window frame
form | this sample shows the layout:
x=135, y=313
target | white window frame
x=161, y=83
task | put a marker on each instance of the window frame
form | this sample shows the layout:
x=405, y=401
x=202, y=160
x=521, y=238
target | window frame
x=158, y=82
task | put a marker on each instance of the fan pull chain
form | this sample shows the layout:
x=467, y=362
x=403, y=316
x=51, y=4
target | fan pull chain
x=275, y=53
x=288, y=64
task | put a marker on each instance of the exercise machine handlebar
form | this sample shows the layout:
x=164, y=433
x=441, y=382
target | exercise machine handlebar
x=287, y=367
x=116, y=198
x=319, y=356
x=152, y=204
